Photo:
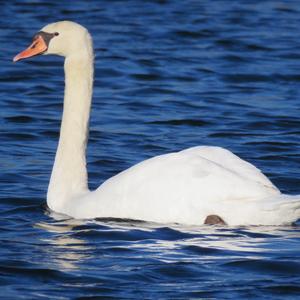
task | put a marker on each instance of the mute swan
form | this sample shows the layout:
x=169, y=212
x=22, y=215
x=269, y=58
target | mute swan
x=194, y=186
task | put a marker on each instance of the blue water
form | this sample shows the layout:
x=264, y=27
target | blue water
x=169, y=75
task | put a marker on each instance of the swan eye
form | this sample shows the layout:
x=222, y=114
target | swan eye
x=56, y=33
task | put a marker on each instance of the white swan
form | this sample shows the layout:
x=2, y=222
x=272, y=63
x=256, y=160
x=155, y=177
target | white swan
x=183, y=187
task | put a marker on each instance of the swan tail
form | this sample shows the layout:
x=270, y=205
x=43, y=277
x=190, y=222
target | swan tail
x=283, y=209
x=275, y=210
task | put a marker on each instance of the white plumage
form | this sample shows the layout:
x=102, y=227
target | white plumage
x=183, y=187
x=186, y=187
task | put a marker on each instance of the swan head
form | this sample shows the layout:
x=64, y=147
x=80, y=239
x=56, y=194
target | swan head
x=64, y=38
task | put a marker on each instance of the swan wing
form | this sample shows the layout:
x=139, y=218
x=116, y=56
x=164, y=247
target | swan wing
x=192, y=171
x=232, y=162
x=181, y=187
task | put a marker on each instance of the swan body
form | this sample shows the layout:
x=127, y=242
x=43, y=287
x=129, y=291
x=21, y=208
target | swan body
x=183, y=187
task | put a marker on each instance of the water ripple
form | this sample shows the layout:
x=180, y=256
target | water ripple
x=169, y=75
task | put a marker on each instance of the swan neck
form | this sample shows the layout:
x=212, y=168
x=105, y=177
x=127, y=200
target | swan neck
x=69, y=177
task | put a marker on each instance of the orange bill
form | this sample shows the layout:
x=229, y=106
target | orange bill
x=37, y=47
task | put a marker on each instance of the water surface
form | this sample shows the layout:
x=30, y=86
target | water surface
x=169, y=75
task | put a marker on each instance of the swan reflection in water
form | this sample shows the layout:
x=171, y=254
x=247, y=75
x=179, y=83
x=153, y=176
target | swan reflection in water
x=66, y=251
x=77, y=243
